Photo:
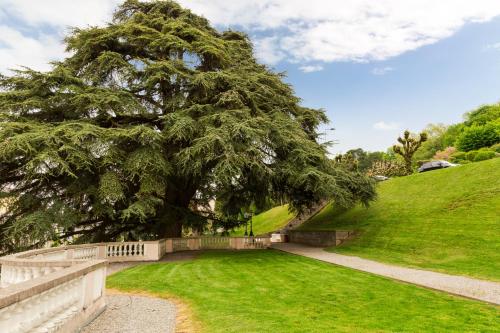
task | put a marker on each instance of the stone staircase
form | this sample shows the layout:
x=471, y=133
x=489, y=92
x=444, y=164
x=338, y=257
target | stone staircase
x=300, y=219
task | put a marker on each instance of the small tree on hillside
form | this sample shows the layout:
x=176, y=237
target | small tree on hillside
x=409, y=145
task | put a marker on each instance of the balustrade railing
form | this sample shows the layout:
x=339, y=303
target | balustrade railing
x=214, y=243
x=125, y=250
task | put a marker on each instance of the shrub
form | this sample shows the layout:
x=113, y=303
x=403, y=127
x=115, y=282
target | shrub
x=484, y=155
x=445, y=154
x=388, y=168
x=471, y=155
x=458, y=156
x=496, y=148
x=476, y=137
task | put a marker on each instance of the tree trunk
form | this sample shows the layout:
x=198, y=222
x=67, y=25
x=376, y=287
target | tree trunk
x=177, y=201
x=172, y=230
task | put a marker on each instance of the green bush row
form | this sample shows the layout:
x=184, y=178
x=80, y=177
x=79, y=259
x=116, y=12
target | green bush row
x=478, y=136
x=475, y=155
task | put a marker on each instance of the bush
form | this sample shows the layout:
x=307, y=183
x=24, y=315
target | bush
x=471, y=155
x=458, y=156
x=476, y=137
x=484, y=155
x=445, y=154
x=496, y=148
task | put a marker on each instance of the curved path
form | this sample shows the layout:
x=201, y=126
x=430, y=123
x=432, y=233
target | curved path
x=130, y=313
x=486, y=291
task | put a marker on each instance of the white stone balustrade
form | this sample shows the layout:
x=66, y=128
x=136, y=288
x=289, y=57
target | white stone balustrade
x=213, y=243
x=61, y=301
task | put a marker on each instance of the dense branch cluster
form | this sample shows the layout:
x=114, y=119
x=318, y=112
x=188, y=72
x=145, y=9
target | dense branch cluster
x=151, y=117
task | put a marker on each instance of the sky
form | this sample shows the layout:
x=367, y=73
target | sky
x=375, y=67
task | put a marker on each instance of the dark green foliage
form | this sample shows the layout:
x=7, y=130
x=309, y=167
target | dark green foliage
x=347, y=161
x=365, y=159
x=478, y=136
x=150, y=118
x=407, y=148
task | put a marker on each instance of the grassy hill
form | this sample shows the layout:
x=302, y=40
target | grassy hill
x=445, y=220
x=268, y=221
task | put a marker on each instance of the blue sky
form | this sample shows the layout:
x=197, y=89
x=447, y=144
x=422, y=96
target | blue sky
x=376, y=67
x=437, y=83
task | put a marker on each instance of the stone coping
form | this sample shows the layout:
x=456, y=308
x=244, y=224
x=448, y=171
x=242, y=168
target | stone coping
x=21, y=291
x=13, y=261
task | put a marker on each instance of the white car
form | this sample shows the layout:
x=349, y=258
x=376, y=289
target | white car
x=380, y=178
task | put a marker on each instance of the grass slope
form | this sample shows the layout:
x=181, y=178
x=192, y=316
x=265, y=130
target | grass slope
x=268, y=221
x=270, y=291
x=446, y=220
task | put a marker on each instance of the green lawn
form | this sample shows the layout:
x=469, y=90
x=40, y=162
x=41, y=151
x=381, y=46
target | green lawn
x=446, y=220
x=268, y=221
x=270, y=291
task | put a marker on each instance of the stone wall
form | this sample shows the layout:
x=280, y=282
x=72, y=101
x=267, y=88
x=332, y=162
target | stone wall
x=319, y=238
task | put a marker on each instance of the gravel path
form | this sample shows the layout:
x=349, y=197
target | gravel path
x=487, y=291
x=127, y=314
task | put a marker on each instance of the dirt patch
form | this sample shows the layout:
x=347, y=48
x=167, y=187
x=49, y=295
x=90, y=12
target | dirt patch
x=184, y=318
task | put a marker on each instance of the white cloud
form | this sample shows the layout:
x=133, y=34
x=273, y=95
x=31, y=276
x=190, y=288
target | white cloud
x=297, y=31
x=18, y=50
x=339, y=30
x=386, y=126
x=25, y=44
x=495, y=46
x=311, y=68
x=266, y=51
x=59, y=13
x=382, y=70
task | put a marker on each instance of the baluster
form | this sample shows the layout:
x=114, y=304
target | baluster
x=19, y=275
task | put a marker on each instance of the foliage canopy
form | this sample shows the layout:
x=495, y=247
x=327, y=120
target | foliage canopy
x=150, y=118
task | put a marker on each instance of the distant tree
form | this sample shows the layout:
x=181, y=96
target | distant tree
x=364, y=158
x=408, y=146
x=479, y=136
x=435, y=142
x=148, y=119
x=347, y=160
x=388, y=168
x=483, y=115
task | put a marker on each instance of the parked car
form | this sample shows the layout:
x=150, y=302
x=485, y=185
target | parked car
x=435, y=165
x=380, y=178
